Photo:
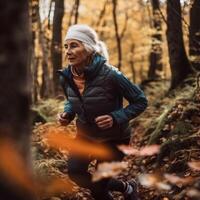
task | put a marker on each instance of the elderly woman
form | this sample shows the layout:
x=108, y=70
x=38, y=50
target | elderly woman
x=95, y=92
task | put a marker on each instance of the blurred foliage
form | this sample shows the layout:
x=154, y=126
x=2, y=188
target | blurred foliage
x=49, y=108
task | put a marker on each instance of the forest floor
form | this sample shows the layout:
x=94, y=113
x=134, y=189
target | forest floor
x=172, y=121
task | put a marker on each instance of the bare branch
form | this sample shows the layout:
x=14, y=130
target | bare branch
x=102, y=13
x=125, y=26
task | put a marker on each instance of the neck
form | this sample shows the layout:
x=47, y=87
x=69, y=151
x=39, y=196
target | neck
x=79, y=69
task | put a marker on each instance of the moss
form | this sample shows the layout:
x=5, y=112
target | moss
x=181, y=127
x=37, y=116
x=169, y=147
x=158, y=131
x=49, y=108
x=191, y=110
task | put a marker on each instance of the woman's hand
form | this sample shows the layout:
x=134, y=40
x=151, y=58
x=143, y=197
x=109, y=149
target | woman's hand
x=63, y=119
x=104, y=121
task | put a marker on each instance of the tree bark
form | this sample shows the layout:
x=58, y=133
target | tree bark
x=49, y=13
x=34, y=61
x=56, y=46
x=194, y=35
x=45, y=89
x=155, y=57
x=77, y=3
x=14, y=104
x=35, y=64
x=179, y=64
x=118, y=39
x=71, y=15
x=131, y=62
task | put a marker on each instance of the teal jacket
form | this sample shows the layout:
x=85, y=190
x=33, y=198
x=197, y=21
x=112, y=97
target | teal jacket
x=104, y=91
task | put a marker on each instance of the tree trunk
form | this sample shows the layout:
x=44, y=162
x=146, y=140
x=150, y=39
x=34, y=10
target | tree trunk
x=49, y=14
x=71, y=15
x=194, y=35
x=34, y=60
x=131, y=62
x=14, y=104
x=77, y=3
x=118, y=39
x=155, y=58
x=45, y=89
x=56, y=46
x=179, y=64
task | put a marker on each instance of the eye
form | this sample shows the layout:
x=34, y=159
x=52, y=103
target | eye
x=74, y=45
x=71, y=45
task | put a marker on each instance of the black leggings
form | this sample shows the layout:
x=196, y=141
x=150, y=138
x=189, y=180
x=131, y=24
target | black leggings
x=78, y=172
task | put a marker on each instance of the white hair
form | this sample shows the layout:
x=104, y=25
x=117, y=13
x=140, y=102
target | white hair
x=88, y=37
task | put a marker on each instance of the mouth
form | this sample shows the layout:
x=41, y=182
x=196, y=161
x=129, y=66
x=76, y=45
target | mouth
x=71, y=59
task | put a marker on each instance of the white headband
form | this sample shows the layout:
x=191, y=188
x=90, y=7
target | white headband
x=88, y=36
x=81, y=33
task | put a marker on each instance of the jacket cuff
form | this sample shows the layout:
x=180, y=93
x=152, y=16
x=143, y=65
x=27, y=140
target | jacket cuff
x=114, y=119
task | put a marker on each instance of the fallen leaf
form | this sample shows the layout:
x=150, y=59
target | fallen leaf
x=145, y=151
x=107, y=170
x=149, y=150
x=195, y=165
x=194, y=193
x=178, y=180
x=128, y=150
x=153, y=180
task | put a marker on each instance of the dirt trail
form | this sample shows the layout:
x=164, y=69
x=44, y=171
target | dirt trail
x=50, y=162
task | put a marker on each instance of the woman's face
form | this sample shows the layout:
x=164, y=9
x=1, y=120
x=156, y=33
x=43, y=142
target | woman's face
x=76, y=53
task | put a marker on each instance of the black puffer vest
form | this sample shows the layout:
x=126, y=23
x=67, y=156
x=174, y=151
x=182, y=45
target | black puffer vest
x=100, y=97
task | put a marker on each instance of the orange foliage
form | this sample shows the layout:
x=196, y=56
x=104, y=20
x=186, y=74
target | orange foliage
x=16, y=171
x=81, y=147
x=13, y=166
x=57, y=186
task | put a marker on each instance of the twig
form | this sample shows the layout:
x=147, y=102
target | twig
x=198, y=81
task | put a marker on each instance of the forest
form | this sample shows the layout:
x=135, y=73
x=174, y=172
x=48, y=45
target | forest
x=154, y=43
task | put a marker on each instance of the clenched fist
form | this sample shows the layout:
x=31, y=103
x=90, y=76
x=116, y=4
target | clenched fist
x=63, y=119
x=104, y=121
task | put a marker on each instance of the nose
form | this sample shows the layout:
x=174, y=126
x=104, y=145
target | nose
x=68, y=51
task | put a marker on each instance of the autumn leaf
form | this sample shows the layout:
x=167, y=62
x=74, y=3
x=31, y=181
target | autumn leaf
x=145, y=151
x=194, y=165
x=153, y=180
x=178, y=180
x=77, y=146
x=193, y=193
x=149, y=150
x=107, y=170
x=128, y=150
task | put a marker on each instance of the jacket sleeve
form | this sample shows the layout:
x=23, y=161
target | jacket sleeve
x=67, y=105
x=68, y=109
x=133, y=94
